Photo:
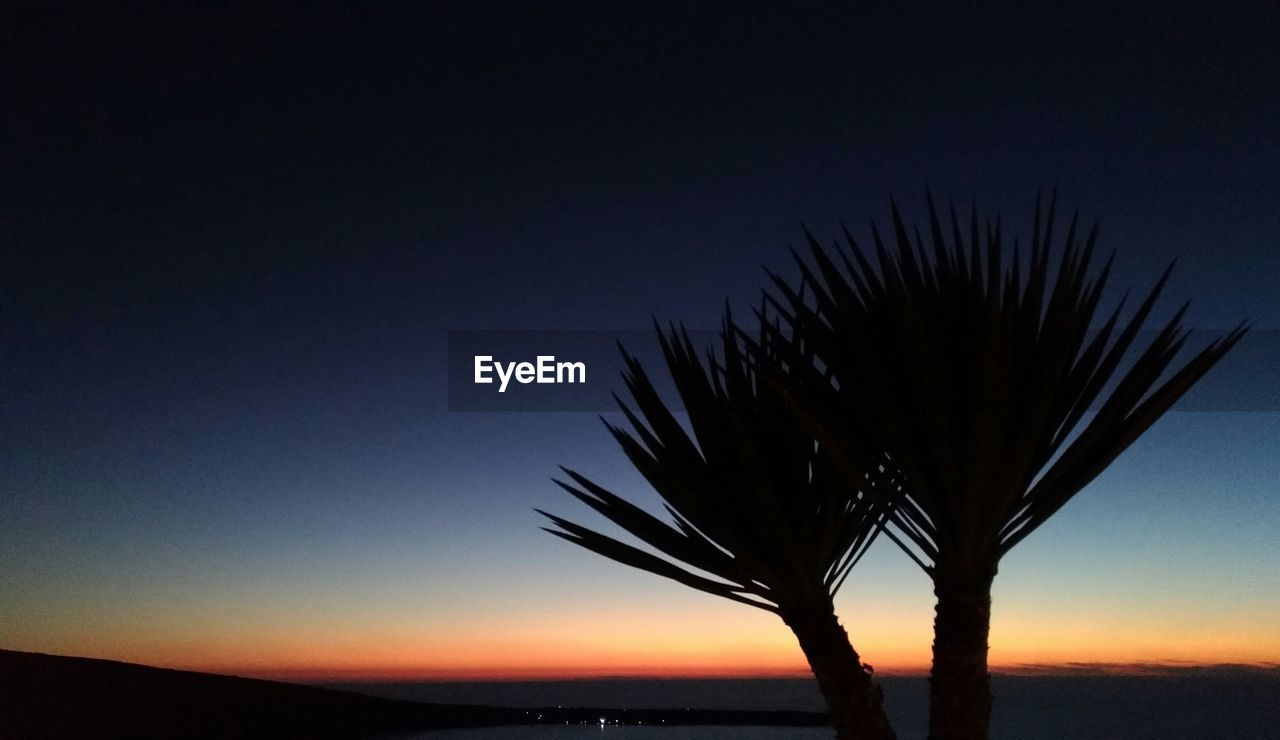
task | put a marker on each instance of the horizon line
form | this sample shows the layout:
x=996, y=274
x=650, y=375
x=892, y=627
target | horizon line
x=507, y=674
x=1136, y=669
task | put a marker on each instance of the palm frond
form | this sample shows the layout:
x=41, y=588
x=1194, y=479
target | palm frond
x=758, y=512
x=975, y=371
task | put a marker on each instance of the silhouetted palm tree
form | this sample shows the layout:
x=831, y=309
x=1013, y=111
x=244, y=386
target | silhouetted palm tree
x=760, y=517
x=977, y=379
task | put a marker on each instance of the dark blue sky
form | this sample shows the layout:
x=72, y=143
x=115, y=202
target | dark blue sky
x=234, y=239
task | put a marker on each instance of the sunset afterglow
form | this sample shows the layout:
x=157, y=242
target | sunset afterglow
x=303, y=307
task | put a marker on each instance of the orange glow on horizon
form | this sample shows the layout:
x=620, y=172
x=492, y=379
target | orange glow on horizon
x=750, y=665
x=704, y=641
x=757, y=661
x=355, y=674
x=766, y=654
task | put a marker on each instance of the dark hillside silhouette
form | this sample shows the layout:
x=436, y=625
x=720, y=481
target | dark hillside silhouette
x=48, y=696
x=54, y=697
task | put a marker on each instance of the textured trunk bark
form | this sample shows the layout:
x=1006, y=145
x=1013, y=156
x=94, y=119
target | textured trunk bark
x=855, y=703
x=959, y=685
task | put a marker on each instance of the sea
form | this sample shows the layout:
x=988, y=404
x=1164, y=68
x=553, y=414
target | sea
x=1211, y=705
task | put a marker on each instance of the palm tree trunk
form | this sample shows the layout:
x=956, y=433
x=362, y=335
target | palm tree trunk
x=855, y=704
x=959, y=685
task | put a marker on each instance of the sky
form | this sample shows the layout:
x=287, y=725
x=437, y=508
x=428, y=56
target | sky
x=235, y=240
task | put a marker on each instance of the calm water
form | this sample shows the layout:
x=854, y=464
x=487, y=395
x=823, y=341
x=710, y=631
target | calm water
x=1193, y=707
x=625, y=733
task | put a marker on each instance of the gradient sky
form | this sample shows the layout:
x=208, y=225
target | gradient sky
x=234, y=241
